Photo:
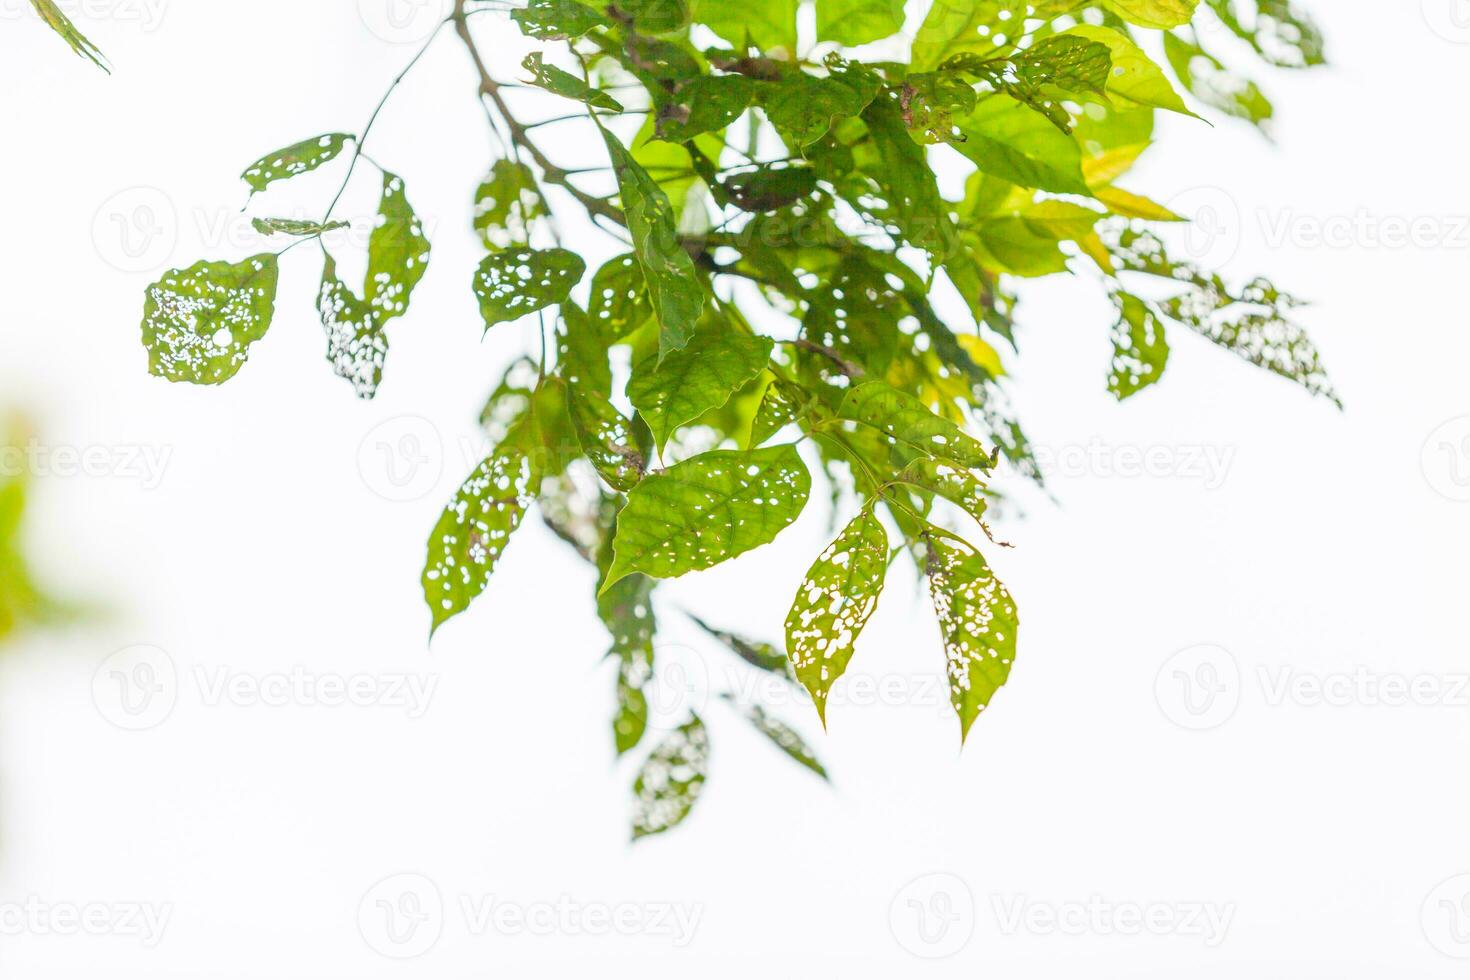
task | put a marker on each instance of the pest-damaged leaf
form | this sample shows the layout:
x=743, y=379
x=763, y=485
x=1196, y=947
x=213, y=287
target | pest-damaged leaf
x=1134, y=78
x=707, y=510
x=63, y=26
x=804, y=107
x=671, y=780
x=770, y=188
x=1281, y=32
x=673, y=287
x=683, y=386
x=904, y=418
x=398, y=253
x=507, y=203
x=295, y=159
x=557, y=20
x=510, y=285
x=606, y=437
x=1140, y=350
x=567, y=85
x=784, y=737
x=782, y=404
x=619, y=303
x=948, y=480
x=762, y=656
x=978, y=620
x=833, y=605
x=1215, y=85
x=627, y=611
x=295, y=227
x=475, y=528
x=708, y=104
x=199, y=322
x=357, y=345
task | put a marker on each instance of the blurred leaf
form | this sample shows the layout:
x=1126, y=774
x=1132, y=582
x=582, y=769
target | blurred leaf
x=1153, y=13
x=508, y=202
x=671, y=780
x=357, y=345
x=567, y=85
x=854, y=22
x=785, y=738
x=557, y=20
x=1140, y=350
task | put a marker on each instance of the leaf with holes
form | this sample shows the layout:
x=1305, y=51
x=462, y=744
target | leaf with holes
x=1154, y=13
x=1140, y=350
x=511, y=285
x=1135, y=78
x=803, y=107
x=904, y=418
x=834, y=603
x=954, y=483
x=627, y=612
x=557, y=20
x=199, y=322
x=683, y=386
x=567, y=85
x=296, y=159
x=708, y=104
x=785, y=738
x=674, y=289
x=781, y=405
x=620, y=301
x=506, y=204
x=606, y=437
x=671, y=780
x=294, y=227
x=707, y=510
x=977, y=618
x=398, y=253
x=475, y=528
x=357, y=345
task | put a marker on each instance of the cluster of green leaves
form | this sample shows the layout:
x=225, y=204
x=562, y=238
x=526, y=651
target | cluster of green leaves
x=772, y=320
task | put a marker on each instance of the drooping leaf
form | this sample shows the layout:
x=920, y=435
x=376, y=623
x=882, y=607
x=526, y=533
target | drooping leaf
x=904, y=418
x=834, y=603
x=606, y=437
x=762, y=656
x=199, y=322
x=398, y=252
x=63, y=26
x=567, y=85
x=671, y=780
x=785, y=738
x=673, y=287
x=513, y=284
x=978, y=620
x=357, y=345
x=1140, y=350
x=626, y=610
x=557, y=20
x=707, y=510
x=683, y=386
x=1153, y=13
x=475, y=528
x=508, y=202
x=854, y=22
x=298, y=158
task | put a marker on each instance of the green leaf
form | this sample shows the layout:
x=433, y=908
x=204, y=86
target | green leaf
x=655, y=16
x=567, y=85
x=989, y=28
x=1153, y=13
x=475, y=528
x=63, y=26
x=854, y=22
x=513, y=284
x=683, y=386
x=931, y=101
x=606, y=437
x=770, y=188
x=1280, y=32
x=671, y=780
x=803, y=107
x=294, y=227
x=784, y=737
x=762, y=656
x=1215, y=85
x=620, y=302
x=708, y=104
x=357, y=345
x=781, y=405
x=507, y=203
x=1135, y=78
x=906, y=419
x=1015, y=143
x=766, y=24
x=630, y=721
x=673, y=287
x=952, y=482
x=627, y=611
x=557, y=20
x=199, y=322
x=978, y=620
x=294, y=160
x=834, y=603
x=1140, y=350
x=707, y=510
x=398, y=252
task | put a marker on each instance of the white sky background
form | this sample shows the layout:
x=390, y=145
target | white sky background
x=1327, y=544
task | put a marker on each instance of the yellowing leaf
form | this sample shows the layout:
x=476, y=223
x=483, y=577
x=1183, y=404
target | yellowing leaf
x=1135, y=78
x=1128, y=205
x=1153, y=13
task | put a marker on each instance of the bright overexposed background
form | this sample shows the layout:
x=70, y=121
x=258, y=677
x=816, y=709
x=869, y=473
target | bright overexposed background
x=286, y=534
